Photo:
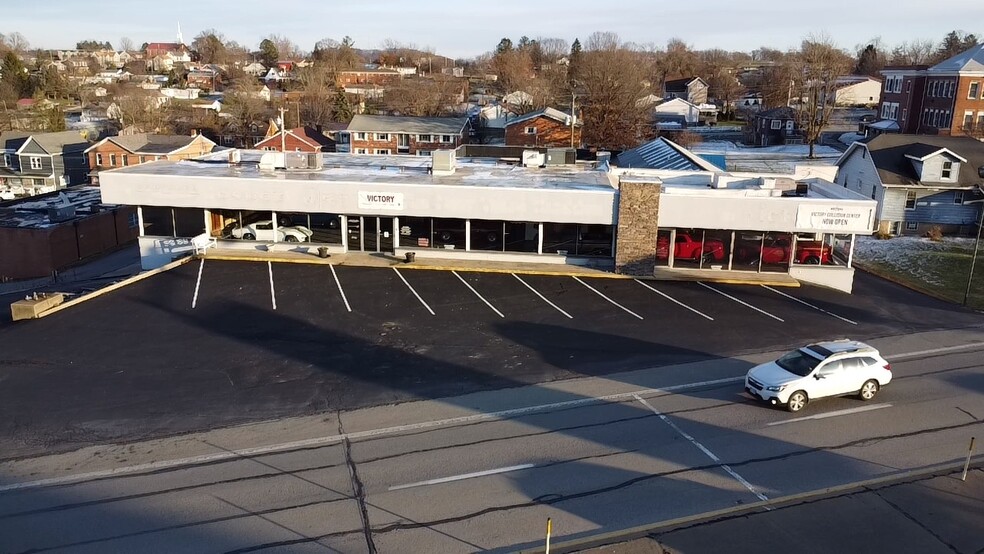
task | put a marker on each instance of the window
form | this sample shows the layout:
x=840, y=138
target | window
x=382, y=151
x=910, y=199
x=789, y=125
x=382, y=136
x=424, y=138
x=361, y=151
x=911, y=226
x=958, y=197
x=776, y=124
x=968, y=119
x=99, y=160
x=905, y=112
x=143, y=159
x=132, y=220
x=126, y=160
x=531, y=130
x=447, y=138
x=936, y=118
x=112, y=160
x=974, y=89
x=947, y=171
x=908, y=86
x=360, y=136
x=424, y=152
x=35, y=162
x=980, y=120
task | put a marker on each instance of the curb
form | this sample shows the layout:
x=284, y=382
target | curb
x=114, y=286
x=793, y=283
x=642, y=531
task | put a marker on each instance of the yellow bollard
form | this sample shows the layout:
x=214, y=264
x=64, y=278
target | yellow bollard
x=970, y=454
x=549, y=525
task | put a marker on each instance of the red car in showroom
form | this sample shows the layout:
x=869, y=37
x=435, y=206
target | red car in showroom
x=687, y=247
x=775, y=250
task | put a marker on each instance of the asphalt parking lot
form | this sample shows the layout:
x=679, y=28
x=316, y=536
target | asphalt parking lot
x=222, y=343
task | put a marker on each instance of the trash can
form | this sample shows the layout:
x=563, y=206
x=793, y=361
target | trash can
x=323, y=252
x=411, y=256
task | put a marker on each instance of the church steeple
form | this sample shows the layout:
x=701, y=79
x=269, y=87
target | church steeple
x=180, y=38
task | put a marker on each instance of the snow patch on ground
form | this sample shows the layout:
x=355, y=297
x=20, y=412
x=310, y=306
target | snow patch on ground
x=903, y=254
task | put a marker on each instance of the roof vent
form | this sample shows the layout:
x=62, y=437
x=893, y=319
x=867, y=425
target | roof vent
x=443, y=162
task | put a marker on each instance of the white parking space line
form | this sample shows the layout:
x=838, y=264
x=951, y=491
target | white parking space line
x=340, y=291
x=832, y=414
x=198, y=283
x=819, y=309
x=480, y=297
x=722, y=293
x=598, y=292
x=273, y=295
x=462, y=477
x=414, y=291
x=674, y=300
x=536, y=292
x=703, y=449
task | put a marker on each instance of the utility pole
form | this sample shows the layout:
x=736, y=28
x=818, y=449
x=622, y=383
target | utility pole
x=977, y=244
x=283, y=134
x=573, y=95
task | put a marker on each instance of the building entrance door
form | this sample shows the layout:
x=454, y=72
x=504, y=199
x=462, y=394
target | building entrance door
x=377, y=234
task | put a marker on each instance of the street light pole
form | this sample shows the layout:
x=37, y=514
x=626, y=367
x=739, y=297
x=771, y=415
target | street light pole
x=973, y=260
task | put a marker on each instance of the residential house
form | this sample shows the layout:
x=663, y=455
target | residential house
x=416, y=136
x=181, y=93
x=44, y=161
x=919, y=181
x=944, y=99
x=299, y=139
x=379, y=77
x=691, y=89
x=256, y=69
x=546, y=127
x=127, y=150
x=856, y=90
x=774, y=127
x=177, y=49
x=676, y=110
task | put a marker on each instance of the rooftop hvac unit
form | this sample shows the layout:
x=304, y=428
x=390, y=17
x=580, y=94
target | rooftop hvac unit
x=534, y=158
x=561, y=156
x=302, y=160
x=272, y=160
x=443, y=162
x=58, y=214
x=235, y=156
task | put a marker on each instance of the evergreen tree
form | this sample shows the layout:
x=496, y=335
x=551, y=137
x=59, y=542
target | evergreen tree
x=505, y=45
x=268, y=53
x=341, y=107
x=574, y=61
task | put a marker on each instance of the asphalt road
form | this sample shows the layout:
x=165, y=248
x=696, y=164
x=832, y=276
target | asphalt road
x=252, y=341
x=595, y=455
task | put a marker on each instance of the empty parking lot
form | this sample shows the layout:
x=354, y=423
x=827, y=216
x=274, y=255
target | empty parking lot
x=219, y=342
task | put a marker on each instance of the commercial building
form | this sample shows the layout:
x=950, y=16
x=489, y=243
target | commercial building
x=518, y=205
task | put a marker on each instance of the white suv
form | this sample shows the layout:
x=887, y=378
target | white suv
x=834, y=368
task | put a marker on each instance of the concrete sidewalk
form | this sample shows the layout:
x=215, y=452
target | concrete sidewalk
x=933, y=513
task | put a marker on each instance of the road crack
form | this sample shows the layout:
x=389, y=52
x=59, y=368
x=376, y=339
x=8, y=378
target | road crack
x=358, y=490
x=915, y=520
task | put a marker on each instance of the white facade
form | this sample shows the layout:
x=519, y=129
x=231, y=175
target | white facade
x=679, y=107
x=862, y=92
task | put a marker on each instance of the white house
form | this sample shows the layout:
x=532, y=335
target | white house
x=678, y=109
x=256, y=69
x=495, y=115
x=857, y=90
x=181, y=93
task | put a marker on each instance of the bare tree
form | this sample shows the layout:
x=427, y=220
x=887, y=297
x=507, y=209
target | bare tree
x=611, y=80
x=334, y=56
x=16, y=42
x=285, y=47
x=430, y=97
x=818, y=64
x=210, y=45
x=125, y=45
x=678, y=60
x=553, y=49
x=514, y=68
x=141, y=109
x=244, y=107
x=915, y=52
x=318, y=84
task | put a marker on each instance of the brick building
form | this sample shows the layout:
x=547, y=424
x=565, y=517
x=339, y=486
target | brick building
x=945, y=99
x=546, y=127
x=416, y=136
x=368, y=77
x=299, y=139
x=126, y=150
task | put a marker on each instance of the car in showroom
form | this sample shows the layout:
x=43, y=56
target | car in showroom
x=777, y=249
x=263, y=230
x=823, y=369
x=687, y=247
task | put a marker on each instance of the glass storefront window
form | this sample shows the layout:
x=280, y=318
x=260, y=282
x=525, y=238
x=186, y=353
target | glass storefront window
x=415, y=232
x=520, y=237
x=326, y=228
x=663, y=247
x=449, y=233
x=560, y=238
x=223, y=222
x=594, y=240
x=157, y=221
x=189, y=222
x=720, y=249
x=487, y=235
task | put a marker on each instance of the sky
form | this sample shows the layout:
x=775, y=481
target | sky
x=464, y=29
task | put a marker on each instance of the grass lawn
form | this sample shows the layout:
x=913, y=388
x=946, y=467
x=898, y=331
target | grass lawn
x=939, y=268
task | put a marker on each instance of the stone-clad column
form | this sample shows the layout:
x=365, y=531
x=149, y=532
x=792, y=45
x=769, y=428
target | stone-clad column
x=638, y=216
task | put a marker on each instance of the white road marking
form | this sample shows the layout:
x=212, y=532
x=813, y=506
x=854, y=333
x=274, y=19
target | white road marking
x=536, y=292
x=819, y=309
x=273, y=295
x=596, y=291
x=743, y=303
x=339, y=283
x=703, y=449
x=833, y=414
x=413, y=291
x=674, y=300
x=480, y=297
x=332, y=439
x=462, y=477
x=198, y=283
